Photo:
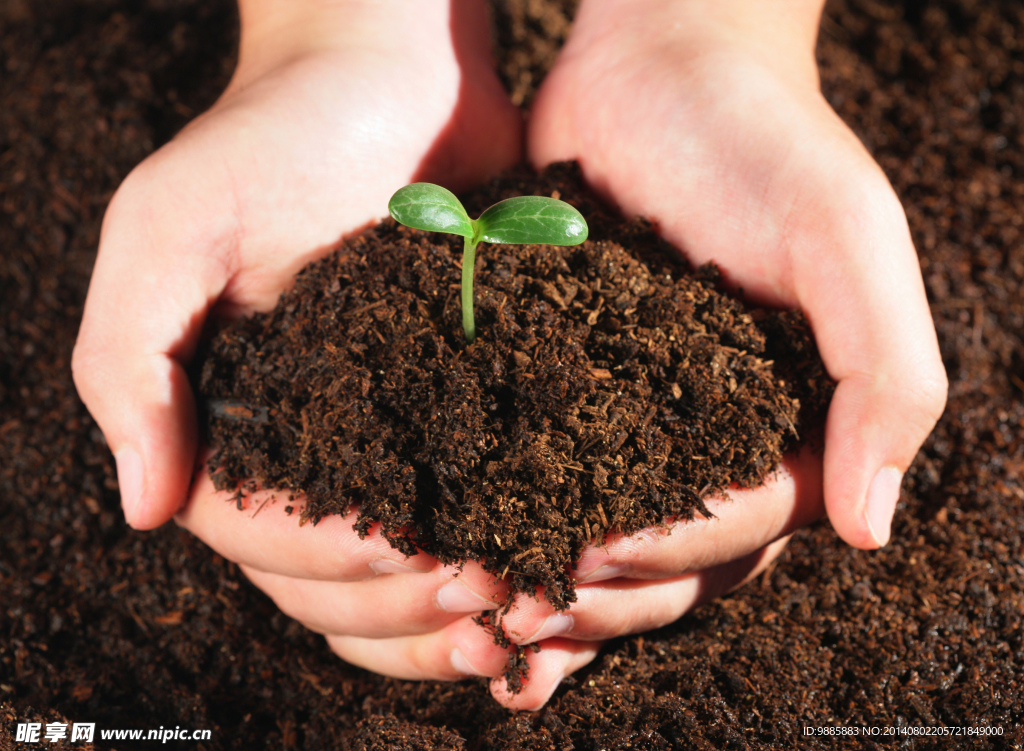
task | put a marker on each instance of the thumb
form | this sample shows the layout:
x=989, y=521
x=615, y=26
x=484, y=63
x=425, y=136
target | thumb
x=160, y=265
x=866, y=302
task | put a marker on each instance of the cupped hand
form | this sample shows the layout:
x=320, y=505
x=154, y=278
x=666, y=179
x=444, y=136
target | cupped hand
x=705, y=116
x=313, y=134
x=642, y=582
x=332, y=108
x=714, y=127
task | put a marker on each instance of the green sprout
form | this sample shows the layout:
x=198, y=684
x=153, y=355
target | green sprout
x=525, y=220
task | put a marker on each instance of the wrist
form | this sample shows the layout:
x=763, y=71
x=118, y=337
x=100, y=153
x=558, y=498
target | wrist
x=275, y=32
x=782, y=32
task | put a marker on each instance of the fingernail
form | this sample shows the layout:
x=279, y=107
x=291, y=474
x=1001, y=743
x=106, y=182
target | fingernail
x=131, y=480
x=883, y=494
x=554, y=625
x=388, y=566
x=604, y=572
x=461, y=665
x=456, y=597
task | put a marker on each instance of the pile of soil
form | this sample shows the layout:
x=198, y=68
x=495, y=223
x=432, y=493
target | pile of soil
x=602, y=393
x=102, y=624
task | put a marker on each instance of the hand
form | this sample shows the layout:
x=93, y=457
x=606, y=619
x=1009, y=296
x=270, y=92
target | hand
x=650, y=579
x=406, y=618
x=705, y=116
x=325, y=117
x=333, y=107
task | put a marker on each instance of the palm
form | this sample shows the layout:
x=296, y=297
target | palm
x=732, y=184
x=289, y=164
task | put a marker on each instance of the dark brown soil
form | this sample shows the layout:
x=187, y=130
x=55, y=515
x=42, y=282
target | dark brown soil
x=602, y=393
x=527, y=36
x=99, y=623
x=387, y=733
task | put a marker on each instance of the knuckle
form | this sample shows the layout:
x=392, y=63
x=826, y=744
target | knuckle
x=131, y=196
x=923, y=398
x=860, y=207
x=283, y=603
x=876, y=203
x=630, y=623
x=295, y=608
x=934, y=390
x=639, y=548
x=422, y=657
x=84, y=368
x=347, y=649
x=645, y=619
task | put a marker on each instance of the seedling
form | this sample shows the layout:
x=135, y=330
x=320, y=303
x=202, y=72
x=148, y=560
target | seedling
x=525, y=220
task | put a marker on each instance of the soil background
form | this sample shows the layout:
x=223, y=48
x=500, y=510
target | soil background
x=102, y=624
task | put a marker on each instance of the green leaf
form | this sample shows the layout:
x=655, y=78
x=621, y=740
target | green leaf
x=430, y=207
x=532, y=219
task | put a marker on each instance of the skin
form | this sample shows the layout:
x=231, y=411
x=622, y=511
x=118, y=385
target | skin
x=704, y=116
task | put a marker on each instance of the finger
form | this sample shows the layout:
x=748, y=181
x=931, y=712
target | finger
x=267, y=538
x=628, y=606
x=866, y=302
x=459, y=650
x=744, y=522
x=557, y=659
x=463, y=649
x=389, y=606
x=162, y=260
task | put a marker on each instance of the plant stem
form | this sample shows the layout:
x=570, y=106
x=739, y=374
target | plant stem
x=468, y=264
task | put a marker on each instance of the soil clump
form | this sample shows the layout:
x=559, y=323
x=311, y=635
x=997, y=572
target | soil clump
x=605, y=392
